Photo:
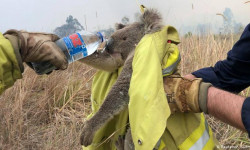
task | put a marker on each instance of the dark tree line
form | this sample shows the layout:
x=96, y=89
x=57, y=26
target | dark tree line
x=72, y=26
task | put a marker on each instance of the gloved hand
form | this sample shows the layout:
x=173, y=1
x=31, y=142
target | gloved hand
x=36, y=47
x=186, y=95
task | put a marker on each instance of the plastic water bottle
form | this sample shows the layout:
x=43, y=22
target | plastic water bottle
x=75, y=47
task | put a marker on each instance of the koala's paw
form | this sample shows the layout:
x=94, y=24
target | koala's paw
x=87, y=135
x=119, y=144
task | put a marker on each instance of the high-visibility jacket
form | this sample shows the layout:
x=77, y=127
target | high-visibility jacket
x=9, y=68
x=151, y=124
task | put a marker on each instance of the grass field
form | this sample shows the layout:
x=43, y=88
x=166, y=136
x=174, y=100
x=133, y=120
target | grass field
x=47, y=112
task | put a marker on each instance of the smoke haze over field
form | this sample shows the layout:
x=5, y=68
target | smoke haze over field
x=185, y=15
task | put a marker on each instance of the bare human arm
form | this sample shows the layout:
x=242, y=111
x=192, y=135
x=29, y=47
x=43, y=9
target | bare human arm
x=224, y=105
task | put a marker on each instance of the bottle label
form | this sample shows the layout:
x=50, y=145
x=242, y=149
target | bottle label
x=76, y=46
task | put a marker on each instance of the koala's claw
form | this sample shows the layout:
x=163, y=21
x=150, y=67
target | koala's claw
x=119, y=144
x=86, y=136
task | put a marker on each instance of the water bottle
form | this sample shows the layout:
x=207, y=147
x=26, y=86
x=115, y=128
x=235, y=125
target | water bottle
x=75, y=47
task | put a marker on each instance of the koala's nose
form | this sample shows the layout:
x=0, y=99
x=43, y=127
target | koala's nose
x=109, y=45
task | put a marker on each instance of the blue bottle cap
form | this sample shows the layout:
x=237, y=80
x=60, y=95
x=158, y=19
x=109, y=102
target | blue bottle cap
x=100, y=35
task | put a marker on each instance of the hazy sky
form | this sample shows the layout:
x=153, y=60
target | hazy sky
x=45, y=15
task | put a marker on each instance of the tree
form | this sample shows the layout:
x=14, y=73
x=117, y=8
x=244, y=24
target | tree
x=125, y=20
x=238, y=28
x=229, y=23
x=189, y=34
x=72, y=26
x=137, y=16
x=107, y=32
x=228, y=20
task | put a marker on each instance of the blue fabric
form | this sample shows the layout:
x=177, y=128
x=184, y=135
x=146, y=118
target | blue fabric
x=233, y=73
x=245, y=114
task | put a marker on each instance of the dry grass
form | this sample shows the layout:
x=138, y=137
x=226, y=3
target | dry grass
x=46, y=112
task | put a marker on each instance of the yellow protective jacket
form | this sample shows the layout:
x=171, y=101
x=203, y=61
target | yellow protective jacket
x=151, y=124
x=9, y=69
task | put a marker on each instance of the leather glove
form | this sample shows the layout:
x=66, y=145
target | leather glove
x=186, y=95
x=36, y=47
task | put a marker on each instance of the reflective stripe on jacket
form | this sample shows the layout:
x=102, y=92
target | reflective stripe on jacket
x=188, y=132
x=9, y=69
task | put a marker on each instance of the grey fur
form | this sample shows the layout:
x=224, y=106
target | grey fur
x=125, y=143
x=152, y=21
x=120, y=51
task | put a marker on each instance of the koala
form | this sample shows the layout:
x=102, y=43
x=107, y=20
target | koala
x=119, y=52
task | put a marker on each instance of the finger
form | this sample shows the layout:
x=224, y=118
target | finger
x=189, y=76
x=54, y=37
x=56, y=55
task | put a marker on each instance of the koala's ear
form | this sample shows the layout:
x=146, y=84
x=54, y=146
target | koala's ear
x=152, y=21
x=119, y=26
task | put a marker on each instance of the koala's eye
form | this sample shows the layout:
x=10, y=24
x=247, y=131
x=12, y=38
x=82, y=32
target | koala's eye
x=124, y=38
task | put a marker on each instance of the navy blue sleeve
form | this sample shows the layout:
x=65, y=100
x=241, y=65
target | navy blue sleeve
x=245, y=114
x=233, y=73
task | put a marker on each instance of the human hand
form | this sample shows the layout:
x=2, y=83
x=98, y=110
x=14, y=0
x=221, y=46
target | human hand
x=36, y=47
